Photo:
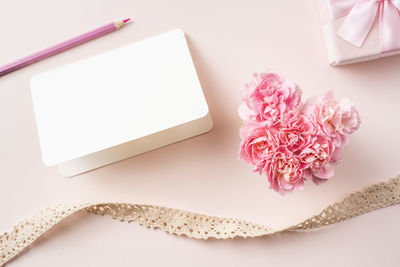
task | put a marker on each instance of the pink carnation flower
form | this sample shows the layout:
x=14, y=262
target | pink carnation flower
x=298, y=132
x=319, y=155
x=268, y=98
x=337, y=120
x=290, y=142
x=257, y=146
x=285, y=171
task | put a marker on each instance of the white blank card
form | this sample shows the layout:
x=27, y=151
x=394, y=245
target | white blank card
x=118, y=104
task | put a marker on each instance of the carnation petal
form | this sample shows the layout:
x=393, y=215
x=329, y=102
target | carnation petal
x=324, y=172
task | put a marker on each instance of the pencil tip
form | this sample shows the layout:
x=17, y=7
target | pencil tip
x=126, y=20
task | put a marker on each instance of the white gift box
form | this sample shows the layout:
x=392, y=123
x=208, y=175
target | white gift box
x=119, y=104
x=360, y=30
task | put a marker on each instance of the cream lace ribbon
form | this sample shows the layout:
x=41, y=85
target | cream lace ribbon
x=193, y=225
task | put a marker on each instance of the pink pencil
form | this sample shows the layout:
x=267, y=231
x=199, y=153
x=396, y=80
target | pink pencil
x=58, y=48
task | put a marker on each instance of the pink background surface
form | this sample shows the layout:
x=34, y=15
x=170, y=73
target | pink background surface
x=229, y=40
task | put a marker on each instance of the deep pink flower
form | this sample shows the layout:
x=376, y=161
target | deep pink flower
x=297, y=132
x=257, y=146
x=285, y=171
x=319, y=156
x=304, y=137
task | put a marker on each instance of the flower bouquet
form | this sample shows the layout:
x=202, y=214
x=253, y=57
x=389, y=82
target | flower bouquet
x=290, y=141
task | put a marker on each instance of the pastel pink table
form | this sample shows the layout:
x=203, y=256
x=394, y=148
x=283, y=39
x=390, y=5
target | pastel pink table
x=229, y=40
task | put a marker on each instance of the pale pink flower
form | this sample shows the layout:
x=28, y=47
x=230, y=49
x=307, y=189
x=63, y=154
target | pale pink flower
x=347, y=119
x=268, y=98
x=337, y=120
x=285, y=171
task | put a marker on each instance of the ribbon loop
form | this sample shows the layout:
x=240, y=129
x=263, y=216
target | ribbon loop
x=359, y=22
x=389, y=26
x=361, y=17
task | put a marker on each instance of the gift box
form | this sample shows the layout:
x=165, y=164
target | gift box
x=360, y=30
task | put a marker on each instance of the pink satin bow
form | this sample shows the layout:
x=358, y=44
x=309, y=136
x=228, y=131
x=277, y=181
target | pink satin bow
x=361, y=15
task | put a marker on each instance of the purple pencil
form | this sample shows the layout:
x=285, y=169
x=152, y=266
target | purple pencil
x=58, y=48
